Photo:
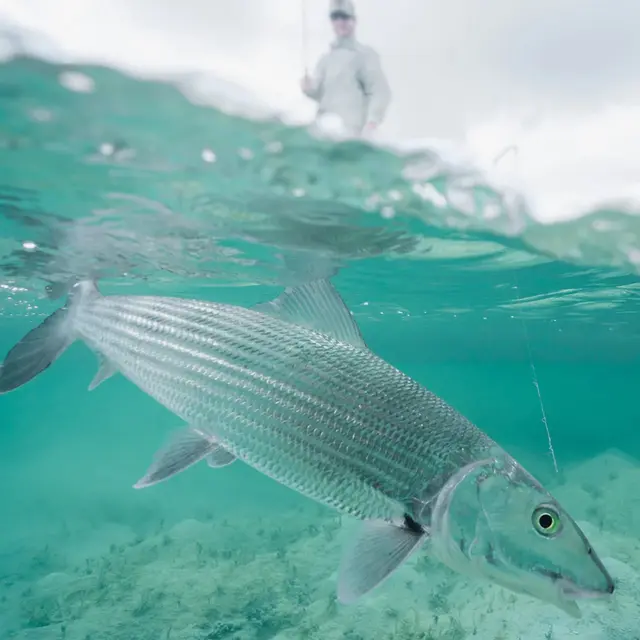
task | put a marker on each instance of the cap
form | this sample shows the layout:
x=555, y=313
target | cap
x=342, y=7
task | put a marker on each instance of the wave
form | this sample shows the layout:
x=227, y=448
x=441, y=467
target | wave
x=123, y=178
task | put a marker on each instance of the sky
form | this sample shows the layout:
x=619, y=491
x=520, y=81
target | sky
x=556, y=78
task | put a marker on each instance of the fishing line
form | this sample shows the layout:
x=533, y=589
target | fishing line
x=514, y=148
x=534, y=376
x=304, y=36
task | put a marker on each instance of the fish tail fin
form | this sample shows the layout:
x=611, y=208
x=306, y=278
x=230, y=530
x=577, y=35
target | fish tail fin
x=44, y=344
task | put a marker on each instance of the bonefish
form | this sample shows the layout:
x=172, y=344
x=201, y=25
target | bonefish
x=290, y=388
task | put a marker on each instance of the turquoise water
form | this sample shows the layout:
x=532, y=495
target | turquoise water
x=149, y=193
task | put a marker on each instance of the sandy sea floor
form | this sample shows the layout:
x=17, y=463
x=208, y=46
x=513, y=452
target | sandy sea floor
x=260, y=577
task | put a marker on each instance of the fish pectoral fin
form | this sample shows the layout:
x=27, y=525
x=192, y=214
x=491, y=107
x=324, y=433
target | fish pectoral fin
x=318, y=306
x=105, y=370
x=379, y=549
x=184, y=449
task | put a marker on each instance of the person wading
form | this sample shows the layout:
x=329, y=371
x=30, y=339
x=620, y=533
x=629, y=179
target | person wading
x=348, y=80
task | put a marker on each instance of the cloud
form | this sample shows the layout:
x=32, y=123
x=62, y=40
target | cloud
x=566, y=164
x=450, y=64
x=572, y=44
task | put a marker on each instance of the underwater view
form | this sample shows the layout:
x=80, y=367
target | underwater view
x=261, y=381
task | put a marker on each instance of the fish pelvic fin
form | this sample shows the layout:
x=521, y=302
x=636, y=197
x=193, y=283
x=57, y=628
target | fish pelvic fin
x=379, y=549
x=318, y=306
x=184, y=449
x=45, y=344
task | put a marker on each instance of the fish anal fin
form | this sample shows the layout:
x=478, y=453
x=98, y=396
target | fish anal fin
x=318, y=306
x=379, y=549
x=220, y=457
x=105, y=371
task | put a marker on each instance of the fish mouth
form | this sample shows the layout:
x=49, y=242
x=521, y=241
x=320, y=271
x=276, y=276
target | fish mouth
x=571, y=591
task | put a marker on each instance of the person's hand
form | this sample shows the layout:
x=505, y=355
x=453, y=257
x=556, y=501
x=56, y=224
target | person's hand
x=370, y=127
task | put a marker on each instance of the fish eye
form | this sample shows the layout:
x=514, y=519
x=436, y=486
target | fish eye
x=546, y=521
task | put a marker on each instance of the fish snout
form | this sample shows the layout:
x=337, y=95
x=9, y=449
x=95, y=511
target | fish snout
x=599, y=584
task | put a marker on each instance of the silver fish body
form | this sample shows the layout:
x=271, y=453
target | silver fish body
x=290, y=388
x=328, y=419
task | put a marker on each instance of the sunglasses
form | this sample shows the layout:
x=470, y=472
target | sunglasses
x=339, y=15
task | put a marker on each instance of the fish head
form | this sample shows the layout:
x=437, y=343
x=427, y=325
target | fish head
x=493, y=519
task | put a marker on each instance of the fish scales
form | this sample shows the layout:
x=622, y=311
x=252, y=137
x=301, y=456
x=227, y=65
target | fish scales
x=328, y=409
x=390, y=411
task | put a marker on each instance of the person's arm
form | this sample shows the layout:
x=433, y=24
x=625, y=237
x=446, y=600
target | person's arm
x=312, y=86
x=375, y=87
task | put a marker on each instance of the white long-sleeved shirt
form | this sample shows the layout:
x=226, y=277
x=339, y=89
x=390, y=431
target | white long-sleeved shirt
x=349, y=81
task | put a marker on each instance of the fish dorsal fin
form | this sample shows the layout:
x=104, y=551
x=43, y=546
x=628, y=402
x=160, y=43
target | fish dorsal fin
x=316, y=305
x=379, y=549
